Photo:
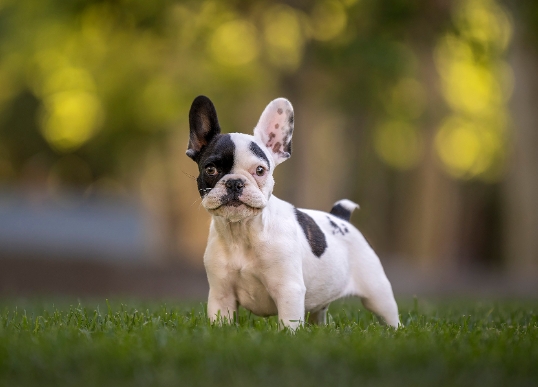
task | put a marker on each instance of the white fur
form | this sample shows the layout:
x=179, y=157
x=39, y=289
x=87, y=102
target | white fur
x=274, y=128
x=258, y=256
x=348, y=205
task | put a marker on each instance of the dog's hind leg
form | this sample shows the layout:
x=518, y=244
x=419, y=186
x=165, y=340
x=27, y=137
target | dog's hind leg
x=382, y=303
x=371, y=284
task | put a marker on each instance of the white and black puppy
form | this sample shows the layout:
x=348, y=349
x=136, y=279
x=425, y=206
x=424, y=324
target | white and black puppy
x=263, y=253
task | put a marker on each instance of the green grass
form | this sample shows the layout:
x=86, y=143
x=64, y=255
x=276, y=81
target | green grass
x=458, y=343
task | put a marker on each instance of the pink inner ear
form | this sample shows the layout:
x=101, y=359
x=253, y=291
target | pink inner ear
x=275, y=128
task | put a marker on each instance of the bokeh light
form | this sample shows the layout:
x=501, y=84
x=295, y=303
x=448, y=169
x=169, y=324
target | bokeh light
x=399, y=144
x=468, y=86
x=328, y=20
x=405, y=95
x=284, y=36
x=407, y=99
x=70, y=118
x=467, y=148
x=476, y=85
x=484, y=22
x=235, y=43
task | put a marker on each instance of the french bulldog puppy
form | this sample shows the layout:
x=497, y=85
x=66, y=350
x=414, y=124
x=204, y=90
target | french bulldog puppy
x=263, y=253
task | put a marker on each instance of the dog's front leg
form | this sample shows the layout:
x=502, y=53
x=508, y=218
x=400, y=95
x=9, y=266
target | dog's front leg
x=222, y=302
x=221, y=306
x=289, y=298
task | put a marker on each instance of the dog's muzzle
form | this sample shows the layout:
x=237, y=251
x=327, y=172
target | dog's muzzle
x=234, y=197
x=235, y=185
x=234, y=190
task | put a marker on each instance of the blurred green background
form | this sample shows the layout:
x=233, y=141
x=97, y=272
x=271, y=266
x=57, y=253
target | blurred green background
x=423, y=112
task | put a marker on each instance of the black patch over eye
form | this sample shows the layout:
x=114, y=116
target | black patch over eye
x=260, y=171
x=219, y=153
x=211, y=170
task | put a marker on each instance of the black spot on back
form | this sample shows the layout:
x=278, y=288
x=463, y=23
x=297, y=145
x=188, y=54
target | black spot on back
x=314, y=235
x=254, y=148
x=220, y=152
x=341, y=212
x=342, y=229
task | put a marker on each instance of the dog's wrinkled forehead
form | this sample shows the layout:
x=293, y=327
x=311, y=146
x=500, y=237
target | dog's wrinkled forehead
x=248, y=153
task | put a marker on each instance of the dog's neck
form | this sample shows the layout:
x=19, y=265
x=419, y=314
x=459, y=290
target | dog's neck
x=247, y=231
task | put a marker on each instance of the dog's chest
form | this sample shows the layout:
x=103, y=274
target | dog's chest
x=243, y=272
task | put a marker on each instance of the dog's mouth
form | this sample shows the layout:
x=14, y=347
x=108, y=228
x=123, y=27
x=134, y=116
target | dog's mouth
x=234, y=203
x=216, y=202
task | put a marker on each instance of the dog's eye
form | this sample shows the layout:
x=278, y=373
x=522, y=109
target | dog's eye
x=211, y=170
x=260, y=171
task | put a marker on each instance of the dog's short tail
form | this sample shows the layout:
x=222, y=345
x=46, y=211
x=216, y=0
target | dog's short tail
x=343, y=209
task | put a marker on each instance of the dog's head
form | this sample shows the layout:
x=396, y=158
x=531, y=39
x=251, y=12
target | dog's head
x=236, y=170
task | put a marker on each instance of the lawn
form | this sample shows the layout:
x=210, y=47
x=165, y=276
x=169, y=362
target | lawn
x=137, y=343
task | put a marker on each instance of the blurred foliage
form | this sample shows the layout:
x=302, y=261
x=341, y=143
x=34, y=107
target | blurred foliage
x=95, y=95
x=476, y=84
x=100, y=81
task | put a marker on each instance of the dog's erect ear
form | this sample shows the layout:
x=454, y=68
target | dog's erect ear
x=204, y=125
x=275, y=129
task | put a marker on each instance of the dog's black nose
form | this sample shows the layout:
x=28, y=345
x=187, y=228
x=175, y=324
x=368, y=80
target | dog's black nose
x=235, y=185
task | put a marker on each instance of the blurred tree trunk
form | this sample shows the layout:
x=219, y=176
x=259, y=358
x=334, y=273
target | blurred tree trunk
x=521, y=185
x=430, y=208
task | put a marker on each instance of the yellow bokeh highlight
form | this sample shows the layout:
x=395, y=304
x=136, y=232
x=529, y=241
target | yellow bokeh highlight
x=467, y=85
x=476, y=83
x=284, y=38
x=472, y=88
x=96, y=31
x=328, y=20
x=70, y=119
x=406, y=100
x=67, y=78
x=71, y=113
x=466, y=148
x=483, y=21
x=399, y=144
x=234, y=43
x=45, y=63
